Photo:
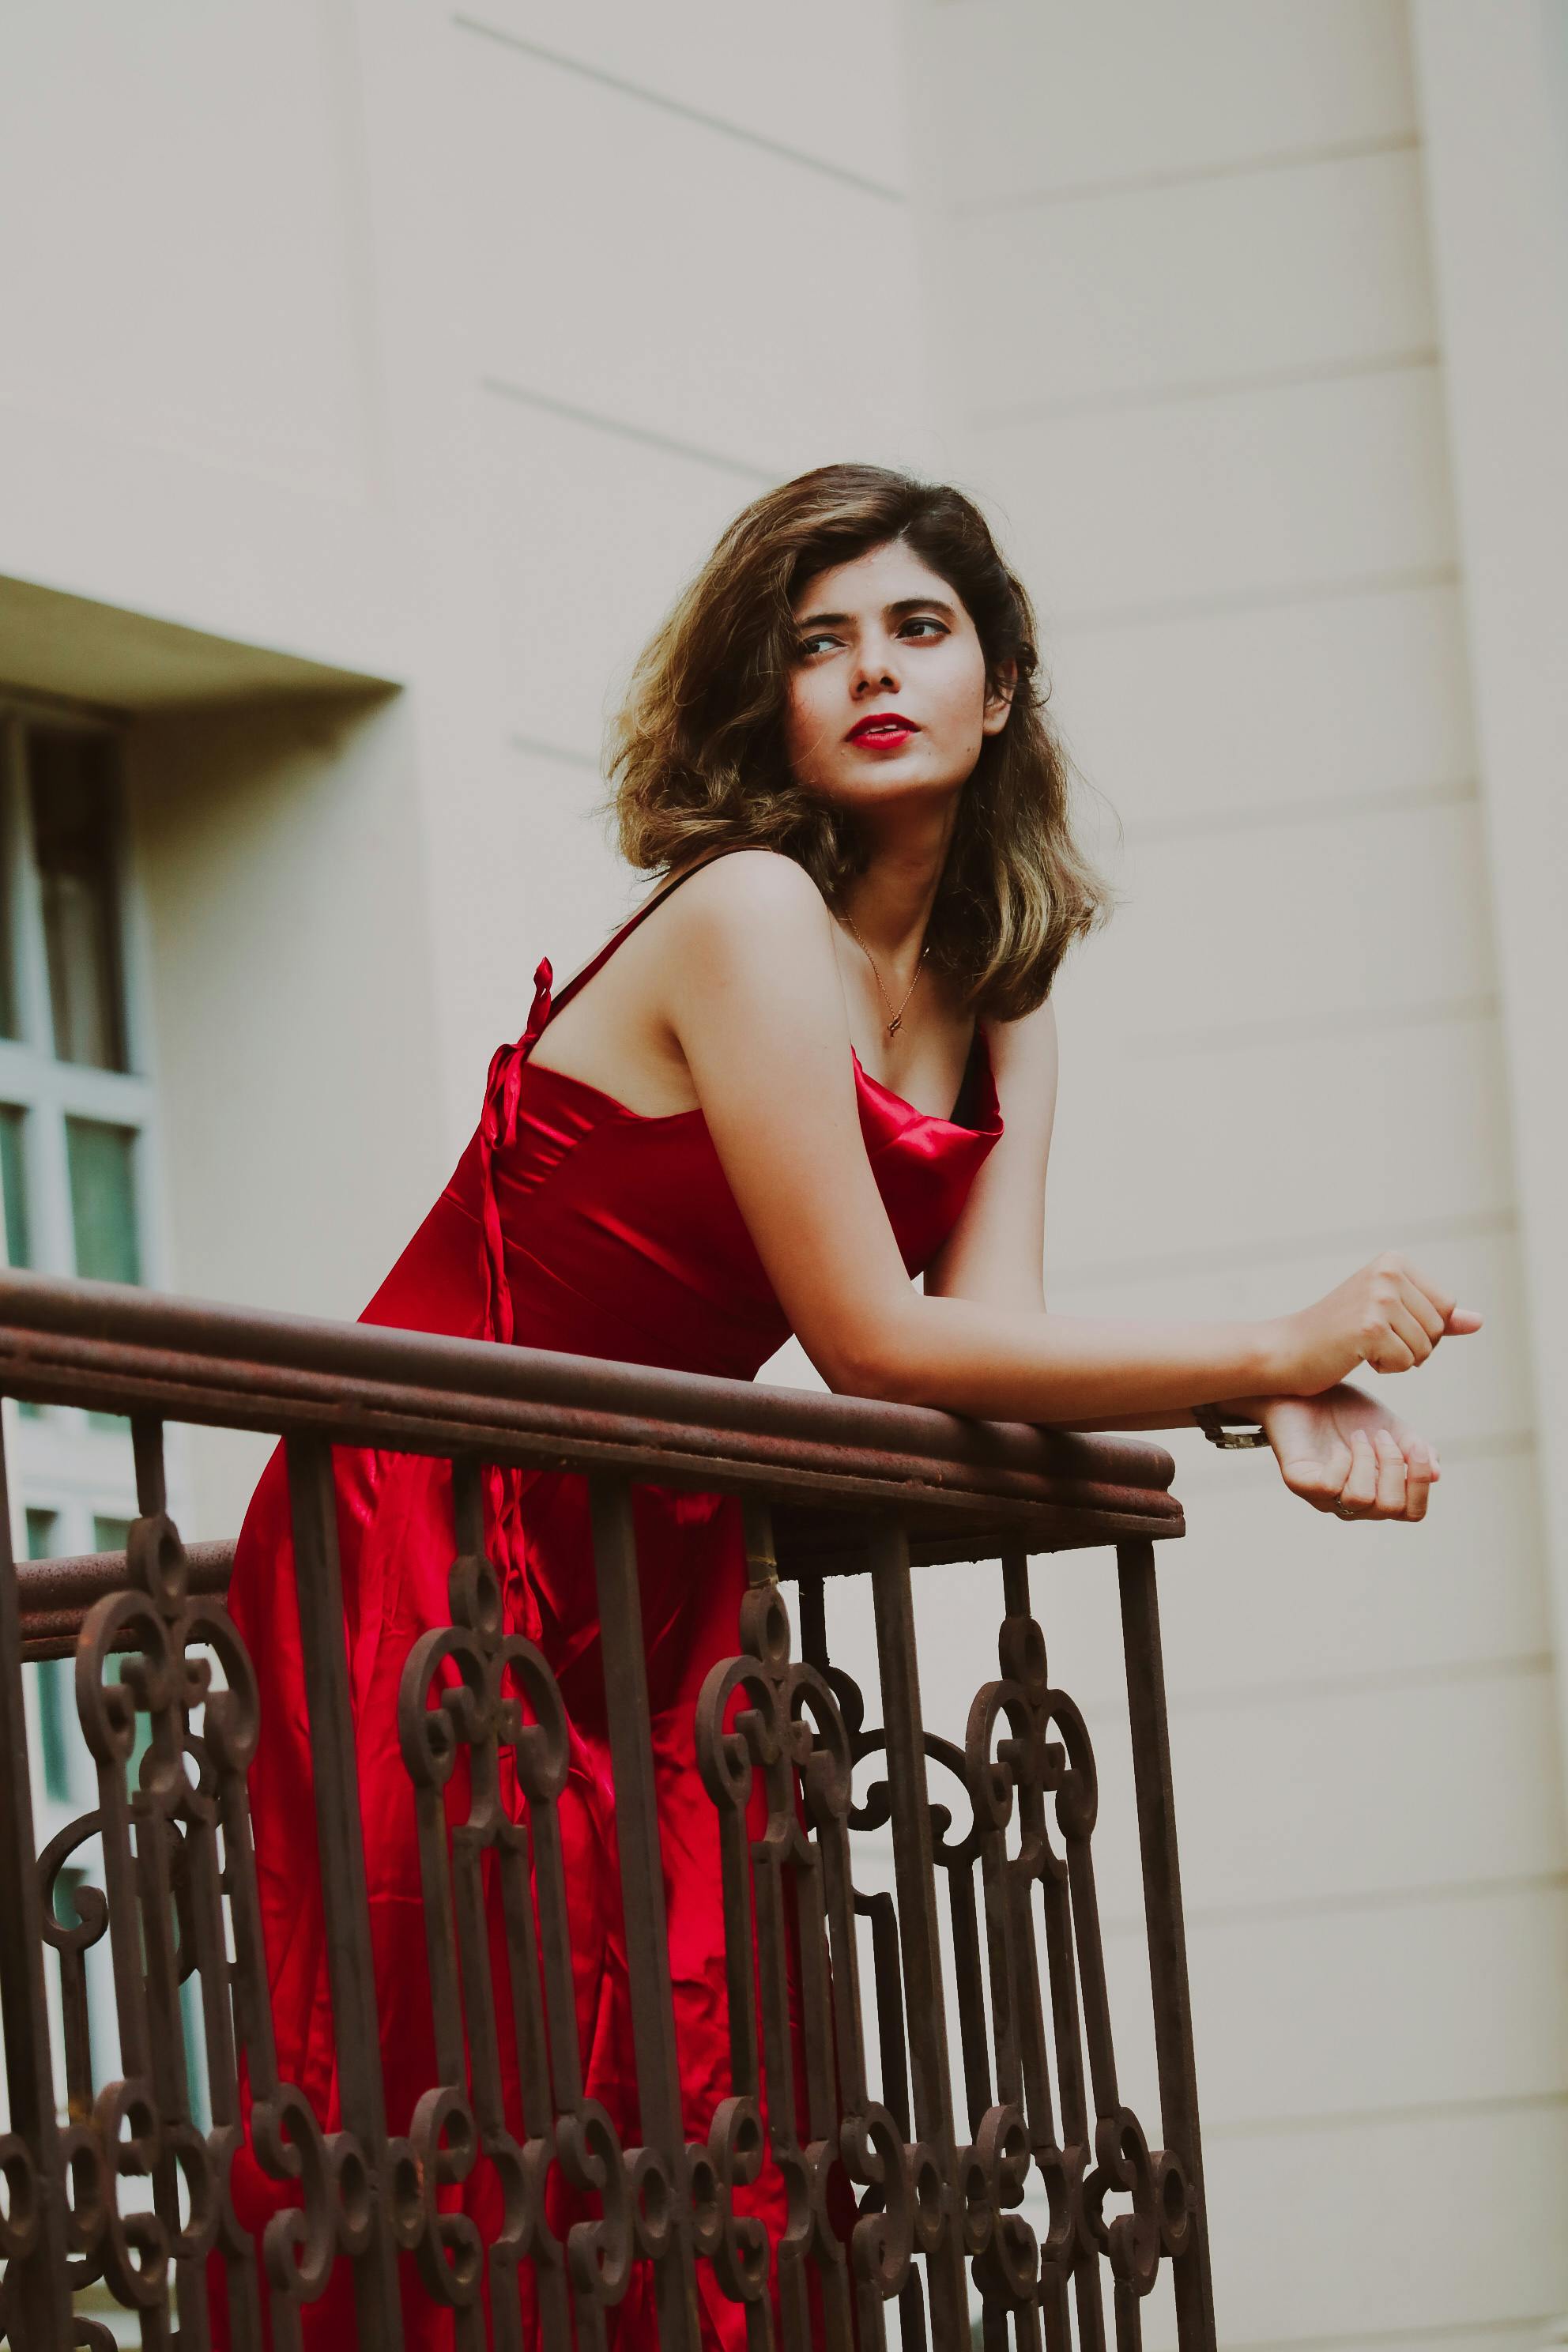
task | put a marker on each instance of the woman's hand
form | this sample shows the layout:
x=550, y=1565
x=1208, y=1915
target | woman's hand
x=1389, y=1316
x=1343, y=1452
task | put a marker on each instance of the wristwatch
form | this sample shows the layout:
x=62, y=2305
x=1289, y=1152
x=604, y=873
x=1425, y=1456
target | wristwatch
x=1227, y=1429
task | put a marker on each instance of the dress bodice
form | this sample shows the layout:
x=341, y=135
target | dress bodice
x=574, y=1223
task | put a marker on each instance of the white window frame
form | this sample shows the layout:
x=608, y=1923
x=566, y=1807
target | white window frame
x=58, y=1460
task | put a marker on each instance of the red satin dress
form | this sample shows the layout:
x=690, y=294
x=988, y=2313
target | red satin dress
x=574, y=1223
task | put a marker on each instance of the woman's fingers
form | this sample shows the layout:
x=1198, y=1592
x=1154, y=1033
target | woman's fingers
x=1426, y=1302
x=1407, y=1325
x=1347, y=1456
x=1391, y=1477
x=1359, y=1492
x=1377, y=1485
x=1423, y=1309
x=1386, y=1351
x=1418, y=1469
x=1457, y=1319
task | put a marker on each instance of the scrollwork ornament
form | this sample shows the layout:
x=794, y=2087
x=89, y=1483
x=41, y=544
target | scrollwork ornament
x=736, y=2244
x=993, y=2173
x=882, y=2241
x=19, y=2224
x=1132, y=2242
x=300, y=2242
x=443, y=2147
x=599, y=2252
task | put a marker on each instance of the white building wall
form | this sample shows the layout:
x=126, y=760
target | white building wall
x=391, y=344
x=1181, y=279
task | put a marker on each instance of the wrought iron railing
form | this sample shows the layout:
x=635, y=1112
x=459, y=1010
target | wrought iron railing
x=118, y=2190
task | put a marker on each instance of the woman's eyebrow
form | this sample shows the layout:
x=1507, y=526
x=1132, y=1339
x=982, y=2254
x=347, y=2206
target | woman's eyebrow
x=898, y=612
x=907, y=604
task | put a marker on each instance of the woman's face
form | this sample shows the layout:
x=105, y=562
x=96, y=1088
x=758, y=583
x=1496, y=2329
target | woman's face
x=886, y=697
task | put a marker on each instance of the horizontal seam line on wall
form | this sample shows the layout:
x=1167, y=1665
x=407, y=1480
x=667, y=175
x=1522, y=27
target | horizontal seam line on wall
x=1309, y=1028
x=1280, y=813
x=646, y=435
x=1105, y=618
x=1375, y=1899
x=1456, y=1673
x=680, y=108
x=1131, y=184
x=1282, y=1250
x=565, y=752
x=1504, y=2103
x=1360, y=2340
x=1110, y=1706
x=1113, y=402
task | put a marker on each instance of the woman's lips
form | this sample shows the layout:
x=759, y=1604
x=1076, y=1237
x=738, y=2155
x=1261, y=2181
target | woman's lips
x=886, y=734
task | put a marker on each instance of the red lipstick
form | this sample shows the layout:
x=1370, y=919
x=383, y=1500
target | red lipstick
x=883, y=731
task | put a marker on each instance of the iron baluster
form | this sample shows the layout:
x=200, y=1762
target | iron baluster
x=36, y=2304
x=363, y=2163
x=659, y=2170
x=889, y=1553
x=1156, y=1803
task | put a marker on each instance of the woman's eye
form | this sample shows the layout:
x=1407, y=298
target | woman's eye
x=810, y=645
x=924, y=621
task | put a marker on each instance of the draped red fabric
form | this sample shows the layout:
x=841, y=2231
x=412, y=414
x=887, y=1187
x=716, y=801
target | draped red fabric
x=569, y=1222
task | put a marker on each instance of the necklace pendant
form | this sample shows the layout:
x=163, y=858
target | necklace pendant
x=896, y=1023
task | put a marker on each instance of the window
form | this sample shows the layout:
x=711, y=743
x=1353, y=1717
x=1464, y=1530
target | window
x=75, y=1108
x=53, y=1679
x=100, y=1162
x=13, y=1186
x=76, y=1116
x=73, y=810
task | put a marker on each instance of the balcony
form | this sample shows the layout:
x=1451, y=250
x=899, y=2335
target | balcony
x=987, y=2083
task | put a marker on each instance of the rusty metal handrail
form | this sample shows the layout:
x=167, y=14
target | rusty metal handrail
x=830, y=1486
x=369, y=1384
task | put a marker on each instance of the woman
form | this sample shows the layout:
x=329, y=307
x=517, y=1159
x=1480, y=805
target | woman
x=820, y=1059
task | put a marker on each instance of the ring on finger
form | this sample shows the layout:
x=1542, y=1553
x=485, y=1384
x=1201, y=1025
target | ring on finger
x=1343, y=1511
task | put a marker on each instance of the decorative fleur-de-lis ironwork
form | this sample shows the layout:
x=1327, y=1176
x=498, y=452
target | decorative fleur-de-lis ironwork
x=474, y=1695
x=179, y=1885
x=1026, y=1757
x=766, y=1715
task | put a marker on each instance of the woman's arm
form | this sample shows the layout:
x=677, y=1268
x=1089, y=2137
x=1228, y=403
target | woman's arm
x=1340, y=1451
x=995, y=1253
x=750, y=990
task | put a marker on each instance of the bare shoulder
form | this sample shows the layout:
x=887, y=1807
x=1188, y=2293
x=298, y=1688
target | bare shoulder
x=752, y=904
x=746, y=883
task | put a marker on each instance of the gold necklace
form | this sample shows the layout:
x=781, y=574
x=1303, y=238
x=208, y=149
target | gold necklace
x=886, y=1001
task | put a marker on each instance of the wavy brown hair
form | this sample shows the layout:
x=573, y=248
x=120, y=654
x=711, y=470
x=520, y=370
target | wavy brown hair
x=697, y=751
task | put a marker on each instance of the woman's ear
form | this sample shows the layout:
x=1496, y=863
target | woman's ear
x=999, y=693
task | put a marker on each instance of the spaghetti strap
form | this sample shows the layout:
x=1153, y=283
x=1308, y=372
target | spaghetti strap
x=503, y=1083
x=639, y=915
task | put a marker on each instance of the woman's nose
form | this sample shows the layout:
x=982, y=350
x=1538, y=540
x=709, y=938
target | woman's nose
x=876, y=671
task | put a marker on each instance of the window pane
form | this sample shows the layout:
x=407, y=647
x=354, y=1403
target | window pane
x=8, y=1023
x=14, y=1184
x=110, y=1535
x=75, y=811
x=54, y=1677
x=103, y=1200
